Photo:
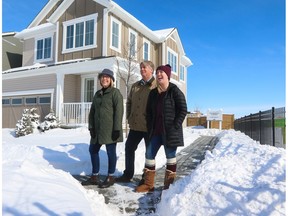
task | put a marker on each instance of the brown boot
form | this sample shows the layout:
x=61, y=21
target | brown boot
x=169, y=178
x=148, y=185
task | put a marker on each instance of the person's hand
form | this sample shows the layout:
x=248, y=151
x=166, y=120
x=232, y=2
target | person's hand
x=92, y=133
x=115, y=135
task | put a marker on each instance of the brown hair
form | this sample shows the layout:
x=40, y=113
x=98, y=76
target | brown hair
x=149, y=63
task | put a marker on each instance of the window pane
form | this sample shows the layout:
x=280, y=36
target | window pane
x=39, y=54
x=79, y=34
x=115, y=35
x=89, y=90
x=89, y=34
x=146, y=50
x=69, y=36
x=47, y=48
x=132, y=44
x=31, y=100
x=16, y=101
x=45, y=100
x=5, y=101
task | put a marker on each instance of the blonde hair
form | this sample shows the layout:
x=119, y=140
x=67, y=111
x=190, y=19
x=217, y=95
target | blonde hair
x=111, y=82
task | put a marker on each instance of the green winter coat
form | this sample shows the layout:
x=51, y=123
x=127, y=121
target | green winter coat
x=106, y=115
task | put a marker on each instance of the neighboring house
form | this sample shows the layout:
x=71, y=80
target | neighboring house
x=12, y=49
x=65, y=47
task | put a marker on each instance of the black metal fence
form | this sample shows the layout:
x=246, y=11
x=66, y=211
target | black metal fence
x=267, y=127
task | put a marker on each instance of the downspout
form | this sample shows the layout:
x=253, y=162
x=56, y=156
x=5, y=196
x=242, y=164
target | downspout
x=57, y=42
x=59, y=94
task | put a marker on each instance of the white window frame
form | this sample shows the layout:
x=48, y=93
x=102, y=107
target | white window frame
x=74, y=22
x=43, y=37
x=44, y=96
x=116, y=21
x=148, y=51
x=30, y=97
x=174, y=65
x=131, y=31
x=6, y=104
x=86, y=79
x=182, y=73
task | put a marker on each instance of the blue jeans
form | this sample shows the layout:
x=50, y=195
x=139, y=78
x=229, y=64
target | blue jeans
x=95, y=160
x=155, y=144
x=132, y=142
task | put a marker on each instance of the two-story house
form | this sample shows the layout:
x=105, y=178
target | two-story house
x=65, y=47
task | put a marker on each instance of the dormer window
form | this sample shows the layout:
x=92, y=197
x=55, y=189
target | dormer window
x=43, y=50
x=80, y=33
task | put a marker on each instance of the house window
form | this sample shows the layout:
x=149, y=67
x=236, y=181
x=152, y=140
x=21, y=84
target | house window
x=182, y=70
x=44, y=49
x=146, y=50
x=115, y=34
x=172, y=60
x=88, y=90
x=132, y=43
x=80, y=33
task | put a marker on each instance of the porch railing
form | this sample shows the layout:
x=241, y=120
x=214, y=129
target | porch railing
x=75, y=113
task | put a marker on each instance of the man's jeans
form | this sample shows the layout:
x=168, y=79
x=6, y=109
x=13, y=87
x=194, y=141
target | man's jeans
x=132, y=142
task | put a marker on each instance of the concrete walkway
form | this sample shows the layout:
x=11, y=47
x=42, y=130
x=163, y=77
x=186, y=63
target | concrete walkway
x=188, y=158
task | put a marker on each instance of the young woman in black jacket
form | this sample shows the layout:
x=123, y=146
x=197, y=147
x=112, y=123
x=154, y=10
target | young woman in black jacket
x=166, y=111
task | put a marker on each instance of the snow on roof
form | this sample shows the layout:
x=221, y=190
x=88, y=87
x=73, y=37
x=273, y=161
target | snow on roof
x=163, y=33
x=35, y=66
x=30, y=32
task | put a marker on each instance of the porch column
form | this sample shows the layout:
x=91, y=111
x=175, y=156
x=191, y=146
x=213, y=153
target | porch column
x=59, y=95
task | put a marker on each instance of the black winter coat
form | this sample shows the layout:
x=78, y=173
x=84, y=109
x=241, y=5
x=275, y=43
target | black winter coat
x=174, y=112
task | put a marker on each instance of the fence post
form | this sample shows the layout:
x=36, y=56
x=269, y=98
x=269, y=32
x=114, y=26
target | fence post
x=273, y=127
x=260, y=136
x=251, y=129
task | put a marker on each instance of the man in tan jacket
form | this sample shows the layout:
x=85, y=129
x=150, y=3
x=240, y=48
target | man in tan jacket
x=136, y=115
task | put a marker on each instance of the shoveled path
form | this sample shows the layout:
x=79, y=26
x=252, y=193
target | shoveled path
x=127, y=201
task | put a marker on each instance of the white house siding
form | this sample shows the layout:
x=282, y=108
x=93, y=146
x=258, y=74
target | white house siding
x=34, y=86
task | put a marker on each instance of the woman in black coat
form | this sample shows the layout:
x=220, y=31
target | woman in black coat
x=166, y=111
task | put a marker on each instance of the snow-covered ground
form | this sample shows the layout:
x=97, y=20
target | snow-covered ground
x=239, y=177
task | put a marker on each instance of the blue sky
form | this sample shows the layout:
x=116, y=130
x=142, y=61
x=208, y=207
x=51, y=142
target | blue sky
x=237, y=47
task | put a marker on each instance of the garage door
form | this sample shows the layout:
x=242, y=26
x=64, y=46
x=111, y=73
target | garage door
x=12, y=108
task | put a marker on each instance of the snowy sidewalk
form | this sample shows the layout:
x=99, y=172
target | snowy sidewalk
x=187, y=160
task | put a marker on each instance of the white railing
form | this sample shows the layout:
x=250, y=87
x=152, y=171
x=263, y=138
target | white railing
x=75, y=113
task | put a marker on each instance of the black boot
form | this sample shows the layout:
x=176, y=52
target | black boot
x=93, y=180
x=123, y=179
x=109, y=181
